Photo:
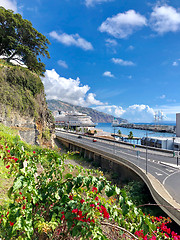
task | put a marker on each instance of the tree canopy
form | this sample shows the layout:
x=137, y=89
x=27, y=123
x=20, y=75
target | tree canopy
x=21, y=42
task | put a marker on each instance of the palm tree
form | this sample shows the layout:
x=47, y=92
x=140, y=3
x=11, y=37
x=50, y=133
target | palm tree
x=119, y=132
x=130, y=136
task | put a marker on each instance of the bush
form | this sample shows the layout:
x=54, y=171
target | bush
x=50, y=200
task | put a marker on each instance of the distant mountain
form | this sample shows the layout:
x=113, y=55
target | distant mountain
x=97, y=117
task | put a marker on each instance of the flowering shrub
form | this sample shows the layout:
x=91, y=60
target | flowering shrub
x=50, y=200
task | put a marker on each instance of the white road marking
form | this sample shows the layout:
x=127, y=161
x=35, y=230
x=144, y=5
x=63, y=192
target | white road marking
x=169, y=176
x=169, y=170
x=159, y=174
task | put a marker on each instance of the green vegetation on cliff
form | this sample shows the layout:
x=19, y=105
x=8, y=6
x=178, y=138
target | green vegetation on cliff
x=19, y=88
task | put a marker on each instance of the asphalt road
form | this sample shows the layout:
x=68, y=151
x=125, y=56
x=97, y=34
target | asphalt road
x=163, y=166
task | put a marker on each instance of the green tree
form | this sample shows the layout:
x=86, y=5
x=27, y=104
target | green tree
x=130, y=136
x=21, y=42
x=119, y=132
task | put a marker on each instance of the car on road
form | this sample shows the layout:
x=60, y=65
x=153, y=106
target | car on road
x=79, y=136
x=94, y=140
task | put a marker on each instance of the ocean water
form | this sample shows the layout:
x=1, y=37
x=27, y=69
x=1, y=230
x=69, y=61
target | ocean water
x=136, y=132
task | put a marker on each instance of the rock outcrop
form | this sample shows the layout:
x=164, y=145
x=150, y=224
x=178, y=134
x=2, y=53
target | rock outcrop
x=23, y=105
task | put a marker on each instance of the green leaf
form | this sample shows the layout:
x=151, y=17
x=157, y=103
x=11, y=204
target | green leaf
x=78, y=181
x=75, y=231
x=109, y=190
x=69, y=186
x=117, y=190
x=9, y=192
x=18, y=183
x=68, y=175
x=100, y=186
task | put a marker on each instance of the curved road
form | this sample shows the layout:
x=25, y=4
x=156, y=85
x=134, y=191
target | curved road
x=163, y=166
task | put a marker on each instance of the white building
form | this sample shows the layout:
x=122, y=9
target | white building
x=160, y=142
x=177, y=124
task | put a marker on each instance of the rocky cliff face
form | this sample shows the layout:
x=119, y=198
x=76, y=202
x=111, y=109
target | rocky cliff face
x=23, y=105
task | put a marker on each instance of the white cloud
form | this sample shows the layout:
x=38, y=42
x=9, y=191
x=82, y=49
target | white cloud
x=111, y=42
x=131, y=47
x=93, y=2
x=72, y=40
x=122, y=62
x=163, y=96
x=165, y=19
x=108, y=74
x=9, y=4
x=134, y=113
x=112, y=109
x=90, y=100
x=68, y=90
x=139, y=113
x=62, y=64
x=123, y=24
x=175, y=64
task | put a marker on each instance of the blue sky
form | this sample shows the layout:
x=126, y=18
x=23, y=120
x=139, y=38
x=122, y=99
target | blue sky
x=118, y=56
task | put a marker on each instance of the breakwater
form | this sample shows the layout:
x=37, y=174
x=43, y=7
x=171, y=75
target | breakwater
x=150, y=127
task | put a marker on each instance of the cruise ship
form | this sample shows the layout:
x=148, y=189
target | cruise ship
x=73, y=119
x=115, y=123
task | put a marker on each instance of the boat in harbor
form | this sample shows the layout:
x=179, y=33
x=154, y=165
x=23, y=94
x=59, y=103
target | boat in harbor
x=73, y=119
x=115, y=123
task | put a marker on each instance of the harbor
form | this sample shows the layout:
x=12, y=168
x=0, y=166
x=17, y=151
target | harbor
x=151, y=127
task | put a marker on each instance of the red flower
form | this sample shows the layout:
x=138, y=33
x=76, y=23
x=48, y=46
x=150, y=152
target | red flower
x=15, y=159
x=11, y=223
x=80, y=213
x=153, y=238
x=82, y=200
x=8, y=151
x=24, y=207
x=8, y=166
x=93, y=221
x=75, y=210
x=6, y=146
x=106, y=214
x=94, y=189
x=70, y=197
x=24, y=198
x=7, y=213
x=63, y=217
x=34, y=152
x=92, y=205
x=20, y=193
x=96, y=198
x=62, y=212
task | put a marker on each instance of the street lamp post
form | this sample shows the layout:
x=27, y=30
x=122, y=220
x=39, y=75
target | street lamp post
x=114, y=140
x=146, y=152
x=173, y=146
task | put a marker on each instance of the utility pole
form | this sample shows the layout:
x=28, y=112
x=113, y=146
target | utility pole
x=114, y=140
x=146, y=152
